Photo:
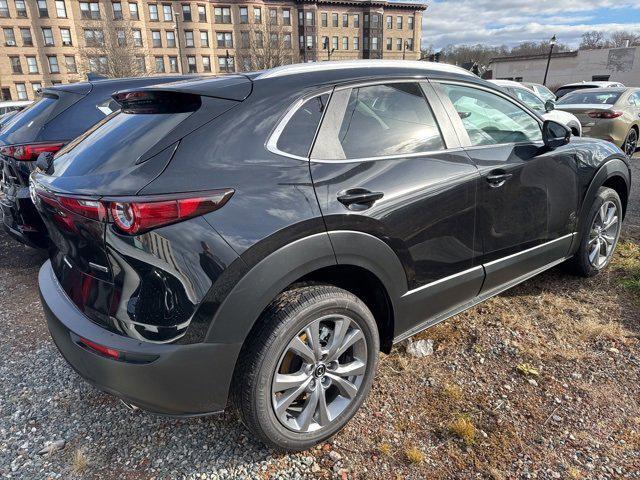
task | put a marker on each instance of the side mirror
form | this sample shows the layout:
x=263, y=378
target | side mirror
x=555, y=134
x=45, y=162
x=549, y=105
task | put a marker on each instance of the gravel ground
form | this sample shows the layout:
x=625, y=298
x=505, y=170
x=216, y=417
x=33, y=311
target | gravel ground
x=540, y=382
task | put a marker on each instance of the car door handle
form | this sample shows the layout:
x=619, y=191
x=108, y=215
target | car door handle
x=359, y=198
x=498, y=179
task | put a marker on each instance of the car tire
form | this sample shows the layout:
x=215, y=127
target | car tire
x=599, y=232
x=630, y=144
x=271, y=370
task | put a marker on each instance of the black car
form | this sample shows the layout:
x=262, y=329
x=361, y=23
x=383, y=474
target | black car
x=61, y=114
x=262, y=236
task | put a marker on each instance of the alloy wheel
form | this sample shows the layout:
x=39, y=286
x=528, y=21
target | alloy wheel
x=631, y=144
x=603, y=234
x=319, y=373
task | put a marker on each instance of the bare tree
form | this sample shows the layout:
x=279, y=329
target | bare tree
x=266, y=46
x=593, y=39
x=111, y=49
x=620, y=39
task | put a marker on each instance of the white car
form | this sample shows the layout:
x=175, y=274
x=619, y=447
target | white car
x=545, y=109
x=10, y=106
x=572, y=87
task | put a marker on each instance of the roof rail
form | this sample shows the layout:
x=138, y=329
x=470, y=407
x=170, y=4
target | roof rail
x=299, y=68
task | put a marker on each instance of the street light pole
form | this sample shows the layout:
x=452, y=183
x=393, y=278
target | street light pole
x=552, y=42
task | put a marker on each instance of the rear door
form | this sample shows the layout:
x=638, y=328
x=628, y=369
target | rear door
x=387, y=163
x=528, y=197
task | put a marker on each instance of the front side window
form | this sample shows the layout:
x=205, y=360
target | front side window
x=391, y=119
x=490, y=119
x=530, y=99
x=298, y=133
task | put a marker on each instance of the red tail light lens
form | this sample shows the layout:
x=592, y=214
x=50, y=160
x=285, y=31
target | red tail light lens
x=101, y=349
x=92, y=209
x=29, y=153
x=609, y=114
x=137, y=217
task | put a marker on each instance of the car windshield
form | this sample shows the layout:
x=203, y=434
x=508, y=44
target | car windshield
x=590, y=98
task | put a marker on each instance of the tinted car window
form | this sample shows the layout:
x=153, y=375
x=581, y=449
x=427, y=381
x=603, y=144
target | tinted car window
x=115, y=143
x=298, y=134
x=490, y=119
x=377, y=121
x=590, y=97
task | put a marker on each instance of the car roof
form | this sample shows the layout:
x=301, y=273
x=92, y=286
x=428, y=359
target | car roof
x=596, y=84
x=602, y=90
x=115, y=84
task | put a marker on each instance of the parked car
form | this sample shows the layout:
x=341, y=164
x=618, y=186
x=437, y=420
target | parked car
x=612, y=114
x=572, y=87
x=543, y=92
x=545, y=109
x=262, y=236
x=13, y=106
x=61, y=114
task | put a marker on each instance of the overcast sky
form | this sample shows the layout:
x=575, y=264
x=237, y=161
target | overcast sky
x=510, y=22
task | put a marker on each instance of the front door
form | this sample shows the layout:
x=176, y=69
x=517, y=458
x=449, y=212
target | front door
x=528, y=194
x=387, y=163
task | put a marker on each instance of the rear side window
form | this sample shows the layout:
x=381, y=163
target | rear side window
x=373, y=121
x=115, y=143
x=298, y=133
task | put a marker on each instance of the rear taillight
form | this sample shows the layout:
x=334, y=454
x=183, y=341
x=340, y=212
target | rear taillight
x=138, y=217
x=608, y=114
x=101, y=349
x=29, y=153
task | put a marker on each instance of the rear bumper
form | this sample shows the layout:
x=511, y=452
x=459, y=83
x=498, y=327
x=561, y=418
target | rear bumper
x=180, y=380
x=21, y=219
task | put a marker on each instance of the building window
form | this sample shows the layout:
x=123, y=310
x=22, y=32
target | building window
x=153, y=13
x=273, y=16
x=173, y=64
x=244, y=39
x=309, y=41
x=389, y=43
x=9, y=37
x=98, y=64
x=142, y=65
x=356, y=20
x=53, y=64
x=133, y=11
x=137, y=38
x=191, y=64
x=16, y=66
x=4, y=9
x=366, y=20
x=356, y=43
x=334, y=19
x=186, y=12
x=159, y=64
x=36, y=87
x=22, y=91
x=259, y=40
x=32, y=65
x=399, y=22
x=93, y=37
x=375, y=20
x=65, y=34
x=273, y=40
x=410, y=44
x=204, y=38
x=374, y=43
x=287, y=40
x=286, y=17
x=121, y=39
x=43, y=11
x=226, y=64
x=47, y=35
x=156, y=40
x=225, y=40
x=202, y=14
x=345, y=20
x=389, y=22
x=21, y=8
x=257, y=15
x=323, y=19
x=61, y=9
x=345, y=43
x=222, y=14
x=410, y=23
x=171, y=39
x=206, y=63
x=70, y=62
x=167, y=12
x=398, y=44
x=188, y=38
x=90, y=10
x=117, y=10
x=27, y=41
x=309, y=19
x=334, y=43
x=244, y=15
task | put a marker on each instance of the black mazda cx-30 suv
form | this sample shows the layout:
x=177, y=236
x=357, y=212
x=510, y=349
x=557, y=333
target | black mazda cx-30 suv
x=262, y=236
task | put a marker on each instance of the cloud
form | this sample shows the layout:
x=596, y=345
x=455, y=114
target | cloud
x=514, y=21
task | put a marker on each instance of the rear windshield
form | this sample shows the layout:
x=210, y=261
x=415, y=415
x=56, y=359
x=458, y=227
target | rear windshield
x=116, y=143
x=590, y=97
x=564, y=90
x=27, y=126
